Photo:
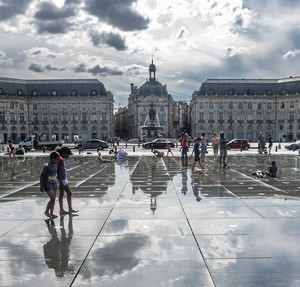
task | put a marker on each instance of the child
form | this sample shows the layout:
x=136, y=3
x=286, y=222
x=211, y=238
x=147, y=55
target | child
x=11, y=150
x=272, y=172
x=169, y=149
x=64, y=152
x=101, y=159
x=48, y=182
x=196, y=153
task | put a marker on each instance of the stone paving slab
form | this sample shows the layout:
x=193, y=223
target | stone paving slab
x=153, y=222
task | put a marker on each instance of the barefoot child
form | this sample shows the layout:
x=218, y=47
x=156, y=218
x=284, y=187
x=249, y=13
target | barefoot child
x=48, y=183
x=64, y=152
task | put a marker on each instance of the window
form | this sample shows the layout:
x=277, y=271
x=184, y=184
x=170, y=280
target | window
x=45, y=116
x=19, y=92
x=65, y=116
x=74, y=93
x=221, y=106
x=282, y=105
x=250, y=115
x=201, y=116
x=210, y=106
x=162, y=108
x=103, y=116
x=269, y=106
x=201, y=105
x=94, y=116
x=12, y=117
x=84, y=116
x=22, y=117
x=2, y=116
x=210, y=116
x=12, y=105
x=45, y=107
x=249, y=92
x=34, y=93
x=74, y=116
x=292, y=105
x=281, y=116
x=221, y=115
x=230, y=115
x=94, y=92
x=259, y=106
x=230, y=106
x=22, y=106
x=230, y=92
x=34, y=107
x=55, y=117
x=240, y=115
x=249, y=106
x=34, y=117
x=259, y=115
x=211, y=92
x=291, y=115
x=240, y=106
x=269, y=116
x=54, y=93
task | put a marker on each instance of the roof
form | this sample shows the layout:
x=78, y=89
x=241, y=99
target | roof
x=250, y=86
x=45, y=87
x=152, y=88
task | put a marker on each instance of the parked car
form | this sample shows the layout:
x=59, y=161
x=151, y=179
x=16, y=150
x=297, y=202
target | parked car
x=293, y=146
x=158, y=144
x=239, y=144
x=94, y=144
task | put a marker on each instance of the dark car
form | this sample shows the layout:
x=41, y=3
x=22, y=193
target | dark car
x=293, y=146
x=158, y=144
x=239, y=144
x=94, y=144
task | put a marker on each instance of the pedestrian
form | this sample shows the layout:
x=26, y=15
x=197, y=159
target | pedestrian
x=184, y=146
x=196, y=153
x=223, y=149
x=215, y=145
x=65, y=153
x=169, y=149
x=48, y=182
x=203, y=149
x=80, y=145
x=158, y=153
x=261, y=143
x=11, y=150
x=270, y=144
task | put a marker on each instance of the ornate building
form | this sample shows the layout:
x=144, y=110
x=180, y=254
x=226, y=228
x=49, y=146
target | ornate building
x=243, y=108
x=55, y=109
x=152, y=95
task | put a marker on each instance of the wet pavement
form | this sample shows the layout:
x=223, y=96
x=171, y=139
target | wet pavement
x=152, y=222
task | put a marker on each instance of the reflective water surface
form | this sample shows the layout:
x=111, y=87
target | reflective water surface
x=153, y=222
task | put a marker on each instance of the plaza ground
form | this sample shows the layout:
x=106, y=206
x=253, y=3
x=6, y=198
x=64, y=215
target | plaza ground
x=153, y=222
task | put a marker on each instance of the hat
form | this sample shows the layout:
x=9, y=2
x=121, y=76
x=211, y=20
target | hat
x=55, y=155
x=65, y=150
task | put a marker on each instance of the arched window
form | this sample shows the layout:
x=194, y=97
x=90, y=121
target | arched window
x=74, y=93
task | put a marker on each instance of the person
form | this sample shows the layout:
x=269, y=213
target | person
x=20, y=150
x=261, y=143
x=215, y=145
x=270, y=144
x=196, y=153
x=223, y=149
x=101, y=159
x=203, y=149
x=158, y=153
x=48, y=182
x=169, y=149
x=65, y=153
x=80, y=145
x=272, y=171
x=11, y=150
x=184, y=146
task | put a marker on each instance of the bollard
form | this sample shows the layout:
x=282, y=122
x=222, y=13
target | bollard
x=279, y=146
x=241, y=148
x=126, y=144
x=133, y=148
x=44, y=149
x=276, y=148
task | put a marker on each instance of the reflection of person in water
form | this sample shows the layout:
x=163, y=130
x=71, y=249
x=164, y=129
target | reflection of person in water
x=57, y=252
x=197, y=192
x=184, y=179
x=153, y=205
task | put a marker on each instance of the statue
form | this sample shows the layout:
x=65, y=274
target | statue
x=152, y=113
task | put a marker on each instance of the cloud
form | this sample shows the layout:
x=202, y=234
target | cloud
x=10, y=9
x=98, y=70
x=291, y=54
x=4, y=60
x=108, y=39
x=118, y=13
x=44, y=68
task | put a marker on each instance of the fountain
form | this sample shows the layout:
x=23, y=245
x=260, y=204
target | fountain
x=151, y=128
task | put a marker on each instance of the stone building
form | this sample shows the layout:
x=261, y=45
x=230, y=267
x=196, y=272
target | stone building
x=153, y=95
x=57, y=109
x=243, y=108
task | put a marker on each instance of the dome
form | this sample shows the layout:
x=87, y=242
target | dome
x=152, y=88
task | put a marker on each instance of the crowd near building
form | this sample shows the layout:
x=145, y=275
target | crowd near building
x=65, y=109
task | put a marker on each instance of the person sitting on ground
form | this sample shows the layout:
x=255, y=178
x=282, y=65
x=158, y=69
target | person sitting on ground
x=158, y=153
x=272, y=172
x=101, y=159
x=20, y=150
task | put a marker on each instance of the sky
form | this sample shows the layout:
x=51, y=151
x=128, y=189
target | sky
x=115, y=41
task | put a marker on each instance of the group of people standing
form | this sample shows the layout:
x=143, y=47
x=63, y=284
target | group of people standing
x=200, y=149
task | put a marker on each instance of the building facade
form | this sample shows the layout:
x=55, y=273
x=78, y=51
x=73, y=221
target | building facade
x=244, y=108
x=152, y=94
x=55, y=109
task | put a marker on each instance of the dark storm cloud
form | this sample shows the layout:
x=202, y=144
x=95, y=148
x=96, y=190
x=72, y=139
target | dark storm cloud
x=118, y=13
x=53, y=27
x=97, y=70
x=9, y=8
x=108, y=39
x=49, y=12
x=41, y=69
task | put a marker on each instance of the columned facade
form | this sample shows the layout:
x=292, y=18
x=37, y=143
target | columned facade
x=244, y=108
x=55, y=109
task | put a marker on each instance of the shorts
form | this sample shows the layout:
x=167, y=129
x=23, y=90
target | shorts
x=223, y=152
x=50, y=186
